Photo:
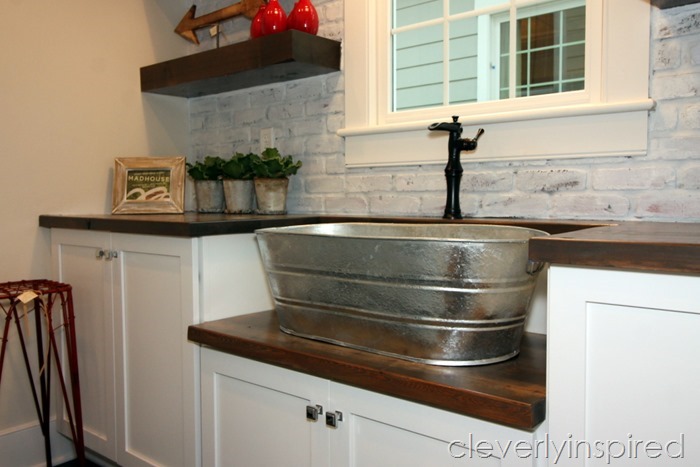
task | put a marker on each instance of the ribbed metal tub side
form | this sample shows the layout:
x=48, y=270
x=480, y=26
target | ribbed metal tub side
x=444, y=294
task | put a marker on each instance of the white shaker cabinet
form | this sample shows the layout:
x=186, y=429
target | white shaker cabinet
x=622, y=367
x=256, y=414
x=135, y=296
x=76, y=262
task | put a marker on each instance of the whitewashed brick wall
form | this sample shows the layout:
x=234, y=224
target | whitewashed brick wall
x=664, y=185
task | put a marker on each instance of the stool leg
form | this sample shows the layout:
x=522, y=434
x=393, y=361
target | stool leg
x=75, y=377
x=27, y=365
x=44, y=381
x=3, y=346
x=75, y=416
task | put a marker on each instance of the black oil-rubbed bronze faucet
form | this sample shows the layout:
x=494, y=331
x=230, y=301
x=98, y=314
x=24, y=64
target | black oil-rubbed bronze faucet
x=453, y=170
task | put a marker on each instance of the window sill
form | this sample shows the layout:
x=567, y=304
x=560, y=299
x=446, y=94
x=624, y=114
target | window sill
x=511, y=116
x=586, y=130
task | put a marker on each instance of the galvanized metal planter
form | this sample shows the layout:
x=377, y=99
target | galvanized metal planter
x=271, y=195
x=443, y=294
x=210, y=195
x=239, y=196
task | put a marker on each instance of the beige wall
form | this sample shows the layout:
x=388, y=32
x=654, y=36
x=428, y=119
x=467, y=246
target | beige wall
x=70, y=102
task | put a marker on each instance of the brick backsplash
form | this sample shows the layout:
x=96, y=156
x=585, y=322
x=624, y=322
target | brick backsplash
x=305, y=114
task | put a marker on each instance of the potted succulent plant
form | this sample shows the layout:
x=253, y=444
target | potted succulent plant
x=209, y=191
x=239, y=191
x=271, y=176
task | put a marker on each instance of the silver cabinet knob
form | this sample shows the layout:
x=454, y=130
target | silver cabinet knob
x=106, y=255
x=333, y=418
x=312, y=412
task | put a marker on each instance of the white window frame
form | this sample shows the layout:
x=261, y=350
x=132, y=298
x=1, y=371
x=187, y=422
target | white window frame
x=608, y=118
x=497, y=20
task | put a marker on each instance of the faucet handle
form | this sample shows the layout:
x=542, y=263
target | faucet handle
x=470, y=144
x=454, y=127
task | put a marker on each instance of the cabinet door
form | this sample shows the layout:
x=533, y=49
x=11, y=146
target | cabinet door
x=381, y=430
x=157, y=370
x=622, y=368
x=254, y=414
x=76, y=262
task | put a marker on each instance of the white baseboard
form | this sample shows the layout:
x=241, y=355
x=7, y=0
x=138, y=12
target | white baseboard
x=24, y=445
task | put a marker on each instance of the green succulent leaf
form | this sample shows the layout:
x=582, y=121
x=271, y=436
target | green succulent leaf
x=211, y=168
x=271, y=164
x=239, y=167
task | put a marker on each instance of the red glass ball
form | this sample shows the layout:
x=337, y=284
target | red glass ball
x=274, y=18
x=303, y=17
x=256, y=24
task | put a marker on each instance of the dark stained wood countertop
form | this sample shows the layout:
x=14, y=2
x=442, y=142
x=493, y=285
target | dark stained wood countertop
x=642, y=246
x=190, y=224
x=509, y=393
x=637, y=245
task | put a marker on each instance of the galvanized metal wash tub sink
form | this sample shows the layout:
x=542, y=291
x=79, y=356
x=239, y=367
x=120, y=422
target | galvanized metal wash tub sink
x=444, y=294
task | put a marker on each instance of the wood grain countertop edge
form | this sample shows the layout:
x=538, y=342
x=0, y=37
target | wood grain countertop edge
x=245, y=337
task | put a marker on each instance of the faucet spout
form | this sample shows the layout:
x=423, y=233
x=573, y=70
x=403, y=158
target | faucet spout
x=453, y=169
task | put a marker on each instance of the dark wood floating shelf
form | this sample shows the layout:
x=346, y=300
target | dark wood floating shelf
x=672, y=3
x=270, y=59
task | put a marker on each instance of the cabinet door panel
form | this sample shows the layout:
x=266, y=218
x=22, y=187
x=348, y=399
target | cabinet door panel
x=254, y=414
x=152, y=426
x=155, y=363
x=246, y=411
x=76, y=263
x=382, y=430
x=622, y=376
x=649, y=347
x=377, y=443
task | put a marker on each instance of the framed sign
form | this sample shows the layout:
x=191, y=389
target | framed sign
x=148, y=185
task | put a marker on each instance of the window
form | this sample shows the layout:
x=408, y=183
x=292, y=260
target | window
x=555, y=78
x=549, y=51
x=472, y=47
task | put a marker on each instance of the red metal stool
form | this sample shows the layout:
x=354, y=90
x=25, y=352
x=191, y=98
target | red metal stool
x=18, y=300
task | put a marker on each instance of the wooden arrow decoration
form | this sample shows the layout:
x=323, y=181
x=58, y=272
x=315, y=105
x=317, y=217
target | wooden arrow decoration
x=189, y=24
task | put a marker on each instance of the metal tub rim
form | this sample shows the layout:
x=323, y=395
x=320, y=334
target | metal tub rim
x=331, y=230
